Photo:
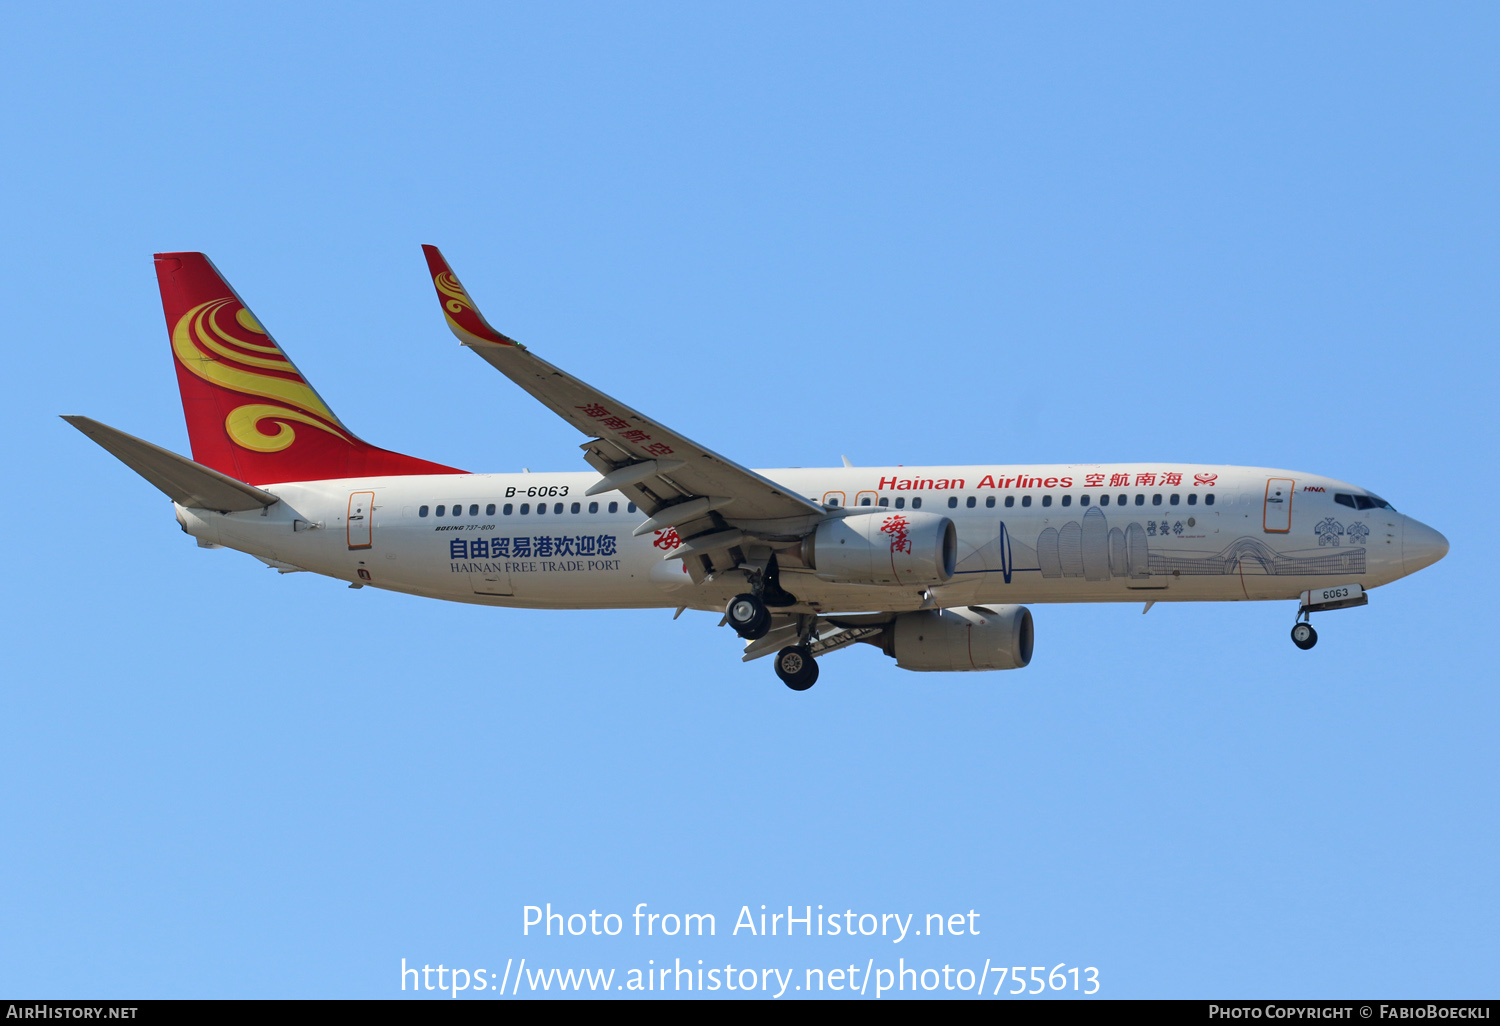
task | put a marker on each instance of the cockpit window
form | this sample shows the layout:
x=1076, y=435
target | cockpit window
x=1361, y=501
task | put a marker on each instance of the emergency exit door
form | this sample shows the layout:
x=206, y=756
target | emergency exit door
x=1278, y=515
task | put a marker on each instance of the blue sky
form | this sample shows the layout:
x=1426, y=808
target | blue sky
x=979, y=234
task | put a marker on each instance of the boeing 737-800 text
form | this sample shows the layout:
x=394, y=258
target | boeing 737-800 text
x=932, y=565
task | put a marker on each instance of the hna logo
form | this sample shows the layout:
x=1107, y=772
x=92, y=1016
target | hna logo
x=1312, y=488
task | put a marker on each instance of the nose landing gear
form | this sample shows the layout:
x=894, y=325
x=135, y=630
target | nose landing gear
x=1338, y=596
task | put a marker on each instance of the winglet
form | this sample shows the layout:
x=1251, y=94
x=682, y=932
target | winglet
x=463, y=317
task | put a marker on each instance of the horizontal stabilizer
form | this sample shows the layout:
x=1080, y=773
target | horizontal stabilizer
x=185, y=482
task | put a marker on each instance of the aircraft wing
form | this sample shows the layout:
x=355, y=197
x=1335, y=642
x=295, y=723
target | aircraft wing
x=677, y=482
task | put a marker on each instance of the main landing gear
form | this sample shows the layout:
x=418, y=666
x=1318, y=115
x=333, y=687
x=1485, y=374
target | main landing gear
x=751, y=620
x=1303, y=635
x=796, y=667
x=749, y=616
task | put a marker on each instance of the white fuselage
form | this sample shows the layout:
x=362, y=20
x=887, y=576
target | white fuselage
x=1065, y=533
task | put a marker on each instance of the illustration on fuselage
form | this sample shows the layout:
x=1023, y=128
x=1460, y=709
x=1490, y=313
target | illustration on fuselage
x=1095, y=551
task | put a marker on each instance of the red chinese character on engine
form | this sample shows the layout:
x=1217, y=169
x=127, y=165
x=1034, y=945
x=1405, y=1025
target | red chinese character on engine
x=667, y=540
x=896, y=527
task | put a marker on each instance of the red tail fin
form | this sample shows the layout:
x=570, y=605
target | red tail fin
x=250, y=413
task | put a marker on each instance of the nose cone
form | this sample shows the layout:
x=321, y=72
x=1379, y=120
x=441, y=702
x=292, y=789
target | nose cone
x=1420, y=546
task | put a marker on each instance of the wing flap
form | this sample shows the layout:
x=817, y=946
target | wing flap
x=828, y=637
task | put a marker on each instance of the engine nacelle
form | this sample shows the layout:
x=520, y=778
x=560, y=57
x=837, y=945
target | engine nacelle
x=969, y=638
x=888, y=547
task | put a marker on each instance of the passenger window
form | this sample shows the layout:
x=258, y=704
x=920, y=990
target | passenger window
x=1026, y=500
x=1104, y=500
x=953, y=502
x=1192, y=498
x=507, y=509
x=557, y=508
x=900, y=502
x=833, y=501
x=1010, y=500
x=474, y=510
x=593, y=507
x=1046, y=500
x=1083, y=500
x=614, y=507
x=629, y=507
x=1120, y=499
x=1208, y=500
x=916, y=502
x=1156, y=499
x=421, y=511
x=1176, y=498
x=865, y=501
x=885, y=502
x=489, y=510
x=525, y=508
x=969, y=502
x=440, y=510
x=541, y=508
x=1140, y=499
x=1067, y=500
x=989, y=502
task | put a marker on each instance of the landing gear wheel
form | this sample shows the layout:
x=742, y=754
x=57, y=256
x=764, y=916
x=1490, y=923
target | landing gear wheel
x=1304, y=637
x=749, y=617
x=796, y=667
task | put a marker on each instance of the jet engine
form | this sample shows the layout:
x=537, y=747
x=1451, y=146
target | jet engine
x=969, y=638
x=888, y=547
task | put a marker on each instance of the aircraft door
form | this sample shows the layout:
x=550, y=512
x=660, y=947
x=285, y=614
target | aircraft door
x=1278, y=510
x=359, y=527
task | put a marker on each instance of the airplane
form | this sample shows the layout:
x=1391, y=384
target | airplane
x=935, y=566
